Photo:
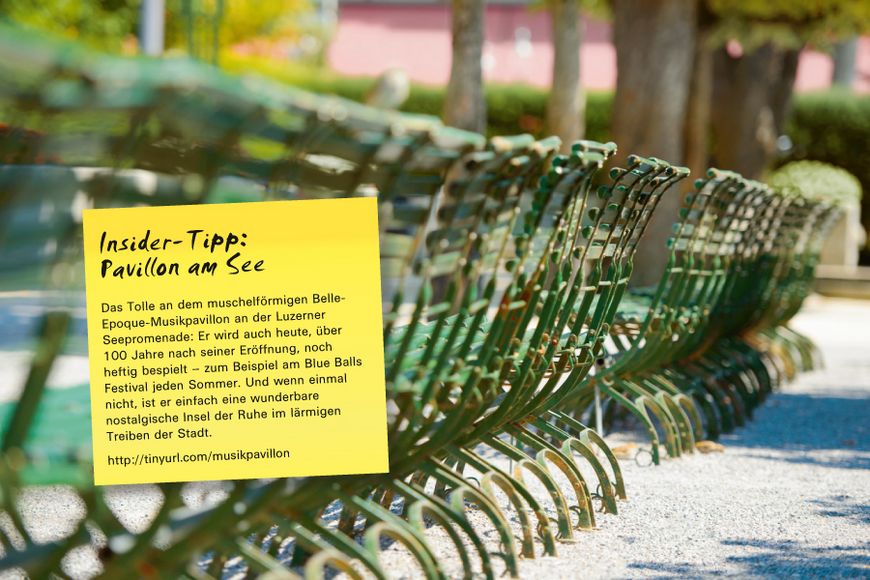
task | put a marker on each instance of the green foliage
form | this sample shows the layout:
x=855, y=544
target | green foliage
x=276, y=19
x=817, y=180
x=193, y=22
x=107, y=24
x=511, y=109
x=833, y=127
x=522, y=109
x=102, y=24
x=789, y=23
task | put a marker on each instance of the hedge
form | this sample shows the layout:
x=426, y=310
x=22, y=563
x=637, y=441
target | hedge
x=831, y=126
x=834, y=127
x=817, y=180
x=511, y=109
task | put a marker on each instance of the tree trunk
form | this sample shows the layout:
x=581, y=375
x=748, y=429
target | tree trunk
x=464, y=104
x=751, y=96
x=782, y=88
x=845, y=54
x=655, y=45
x=696, y=132
x=566, y=104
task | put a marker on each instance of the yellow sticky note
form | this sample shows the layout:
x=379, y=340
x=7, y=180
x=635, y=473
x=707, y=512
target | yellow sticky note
x=235, y=341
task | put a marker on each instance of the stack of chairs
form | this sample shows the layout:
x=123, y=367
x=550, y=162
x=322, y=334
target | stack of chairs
x=693, y=356
x=505, y=269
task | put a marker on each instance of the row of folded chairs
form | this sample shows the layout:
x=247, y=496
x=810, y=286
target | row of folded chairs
x=510, y=327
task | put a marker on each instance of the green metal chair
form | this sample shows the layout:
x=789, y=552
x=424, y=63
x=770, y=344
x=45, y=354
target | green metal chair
x=505, y=275
x=688, y=362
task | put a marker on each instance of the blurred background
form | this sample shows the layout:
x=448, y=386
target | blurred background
x=747, y=85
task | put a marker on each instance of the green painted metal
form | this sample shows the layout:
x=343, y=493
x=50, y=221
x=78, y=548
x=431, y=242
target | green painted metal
x=695, y=355
x=505, y=270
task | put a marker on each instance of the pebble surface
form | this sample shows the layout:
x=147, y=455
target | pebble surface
x=790, y=496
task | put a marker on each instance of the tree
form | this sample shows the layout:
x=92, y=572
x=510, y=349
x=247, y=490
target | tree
x=731, y=65
x=759, y=72
x=566, y=103
x=464, y=103
x=102, y=25
x=696, y=128
x=845, y=54
x=203, y=27
x=762, y=83
x=654, y=52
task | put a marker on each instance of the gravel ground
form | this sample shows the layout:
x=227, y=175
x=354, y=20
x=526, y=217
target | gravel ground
x=790, y=496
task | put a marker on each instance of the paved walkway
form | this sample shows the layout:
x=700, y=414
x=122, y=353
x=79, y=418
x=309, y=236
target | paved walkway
x=789, y=497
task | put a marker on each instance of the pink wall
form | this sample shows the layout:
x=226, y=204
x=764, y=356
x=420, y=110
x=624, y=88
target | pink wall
x=374, y=37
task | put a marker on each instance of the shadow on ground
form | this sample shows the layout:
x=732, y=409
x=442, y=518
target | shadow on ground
x=776, y=560
x=843, y=506
x=836, y=432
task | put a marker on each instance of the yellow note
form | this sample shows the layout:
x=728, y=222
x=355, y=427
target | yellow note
x=235, y=341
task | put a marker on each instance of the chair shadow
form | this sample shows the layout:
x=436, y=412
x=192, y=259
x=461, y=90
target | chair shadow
x=829, y=430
